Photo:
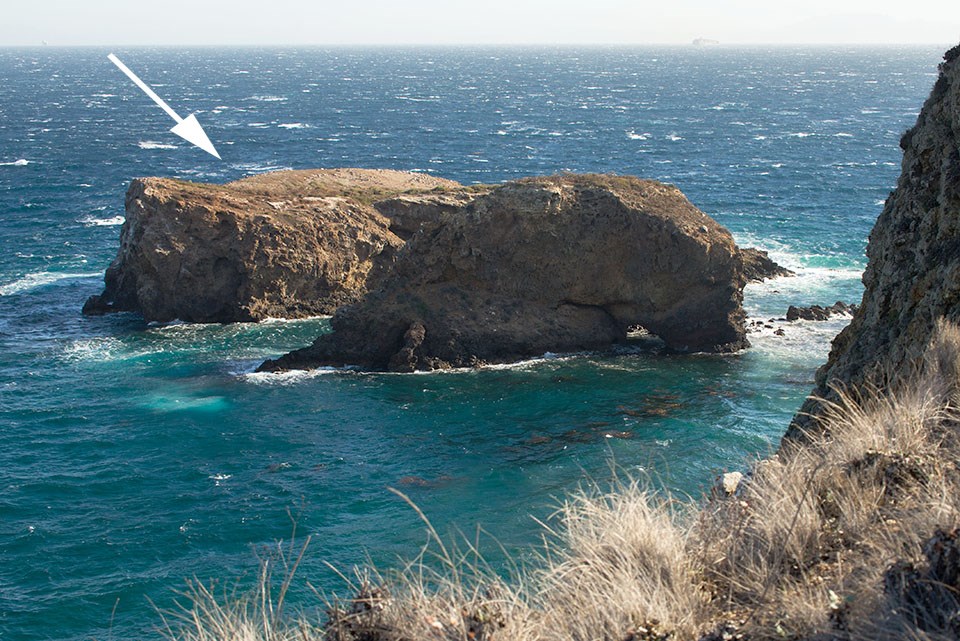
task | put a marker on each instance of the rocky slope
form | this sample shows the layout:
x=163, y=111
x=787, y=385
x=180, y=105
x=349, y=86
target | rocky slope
x=286, y=244
x=546, y=264
x=913, y=274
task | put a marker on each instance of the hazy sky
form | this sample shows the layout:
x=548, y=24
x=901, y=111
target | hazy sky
x=126, y=22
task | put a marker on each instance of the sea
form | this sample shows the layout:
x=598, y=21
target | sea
x=135, y=456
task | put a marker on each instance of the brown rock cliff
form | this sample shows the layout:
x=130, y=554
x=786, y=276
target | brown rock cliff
x=913, y=272
x=288, y=244
x=546, y=264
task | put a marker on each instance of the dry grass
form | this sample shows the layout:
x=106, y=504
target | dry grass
x=854, y=535
x=259, y=615
x=618, y=568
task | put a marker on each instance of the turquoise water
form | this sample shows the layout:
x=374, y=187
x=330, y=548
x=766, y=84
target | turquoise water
x=134, y=456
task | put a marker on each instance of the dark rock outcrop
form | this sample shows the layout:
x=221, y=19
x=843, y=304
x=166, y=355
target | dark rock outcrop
x=287, y=244
x=913, y=272
x=818, y=313
x=546, y=264
x=758, y=266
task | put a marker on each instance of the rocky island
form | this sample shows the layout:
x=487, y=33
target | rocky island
x=287, y=245
x=425, y=273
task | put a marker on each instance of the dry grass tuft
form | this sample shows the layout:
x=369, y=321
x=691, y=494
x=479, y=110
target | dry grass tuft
x=854, y=535
x=259, y=615
x=618, y=568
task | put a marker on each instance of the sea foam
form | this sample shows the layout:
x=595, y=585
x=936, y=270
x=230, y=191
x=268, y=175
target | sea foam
x=91, y=221
x=151, y=144
x=40, y=279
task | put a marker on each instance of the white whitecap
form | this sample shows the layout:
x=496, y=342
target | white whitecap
x=293, y=125
x=40, y=279
x=22, y=162
x=798, y=342
x=90, y=221
x=531, y=363
x=152, y=144
x=258, y=168
x=291, y=377
x=217, y=479
x=101, y=350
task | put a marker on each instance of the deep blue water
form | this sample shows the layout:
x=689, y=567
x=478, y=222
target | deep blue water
x=133, y=456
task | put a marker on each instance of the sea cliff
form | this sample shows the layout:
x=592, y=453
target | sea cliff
x=284, y=245
x=912, y=278
x=563, y=263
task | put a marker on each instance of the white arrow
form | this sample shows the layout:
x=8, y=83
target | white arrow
x=187, y=128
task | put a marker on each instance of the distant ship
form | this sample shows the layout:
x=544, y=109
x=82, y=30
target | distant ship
x=705, y=42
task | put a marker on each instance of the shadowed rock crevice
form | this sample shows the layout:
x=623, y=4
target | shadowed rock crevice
x=564, y=263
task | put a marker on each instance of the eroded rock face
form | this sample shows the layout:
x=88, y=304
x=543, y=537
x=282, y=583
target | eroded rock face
x=409, y=214
x=758, y=266
x=913, y=273
x=547, y=264
x=287, y=244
